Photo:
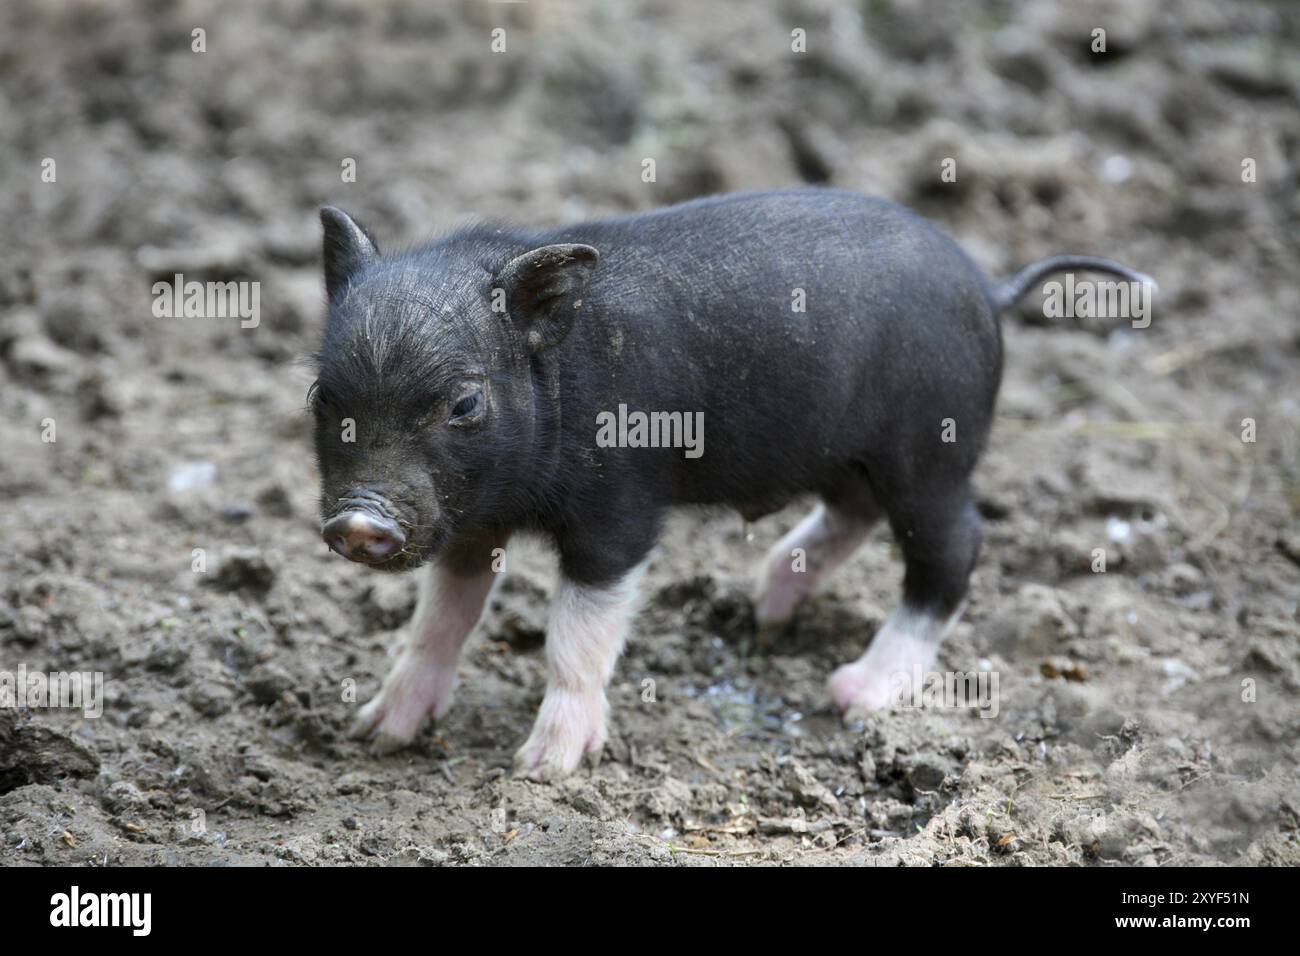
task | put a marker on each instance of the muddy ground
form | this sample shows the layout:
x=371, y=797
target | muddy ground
x=1147, y=715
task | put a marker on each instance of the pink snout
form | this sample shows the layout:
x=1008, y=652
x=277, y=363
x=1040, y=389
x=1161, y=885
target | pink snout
x=363, y=537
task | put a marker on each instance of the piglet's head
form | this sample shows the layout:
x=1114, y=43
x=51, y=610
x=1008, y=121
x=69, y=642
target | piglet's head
x=427, y=419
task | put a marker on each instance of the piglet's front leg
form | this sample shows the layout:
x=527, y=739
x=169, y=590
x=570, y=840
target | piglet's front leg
x=583, y=640
x=422, y=680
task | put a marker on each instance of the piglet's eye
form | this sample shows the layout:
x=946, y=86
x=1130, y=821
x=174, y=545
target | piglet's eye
x=467, y=407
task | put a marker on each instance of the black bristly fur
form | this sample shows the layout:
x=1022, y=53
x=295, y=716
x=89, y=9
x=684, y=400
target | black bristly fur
x=685, y=309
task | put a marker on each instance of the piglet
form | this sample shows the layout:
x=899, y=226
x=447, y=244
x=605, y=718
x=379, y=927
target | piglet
x=577, y=383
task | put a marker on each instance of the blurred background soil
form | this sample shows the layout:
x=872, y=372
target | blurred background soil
x=1148, y=714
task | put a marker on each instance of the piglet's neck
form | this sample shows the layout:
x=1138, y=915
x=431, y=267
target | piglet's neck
x=541, y=468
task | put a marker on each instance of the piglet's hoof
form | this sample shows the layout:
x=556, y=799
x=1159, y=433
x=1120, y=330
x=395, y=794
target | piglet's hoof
x=569, y=728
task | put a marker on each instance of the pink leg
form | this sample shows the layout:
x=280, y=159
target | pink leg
x=583, y=641
x=799, y=563
x=910, y=639
x=423, y=679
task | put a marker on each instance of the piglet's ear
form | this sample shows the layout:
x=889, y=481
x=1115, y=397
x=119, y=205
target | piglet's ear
x=348, y=247
x=544, y=290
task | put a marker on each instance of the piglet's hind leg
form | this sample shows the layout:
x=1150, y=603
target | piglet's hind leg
x=801, y=561
x=940, y=538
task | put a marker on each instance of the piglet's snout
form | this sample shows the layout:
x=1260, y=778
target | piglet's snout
x=363, y=536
